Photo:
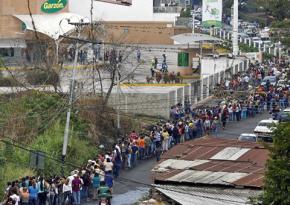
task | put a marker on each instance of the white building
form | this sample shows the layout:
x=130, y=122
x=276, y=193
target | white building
x=141, y=10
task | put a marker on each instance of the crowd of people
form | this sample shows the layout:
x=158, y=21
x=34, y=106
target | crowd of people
x=96, y=179
x=246, y=96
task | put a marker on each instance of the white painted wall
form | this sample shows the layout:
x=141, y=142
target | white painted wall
x=208, y=65
x=141, y=10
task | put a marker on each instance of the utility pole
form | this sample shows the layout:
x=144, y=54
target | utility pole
x=193, y=21
x=72, y=84
x=235, y=22
x=118, y=94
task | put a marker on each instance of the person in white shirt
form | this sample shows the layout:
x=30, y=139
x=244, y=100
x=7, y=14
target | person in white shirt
x=15, y=196
x=66, y=190
x=108, y=165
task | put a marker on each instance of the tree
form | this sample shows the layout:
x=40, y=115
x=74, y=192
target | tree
x=276, y=8
x=277, y=182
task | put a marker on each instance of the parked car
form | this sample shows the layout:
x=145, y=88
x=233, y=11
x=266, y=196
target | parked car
x=287, y=110
x=284, y=117
x=282, y=84
x=272, y=79
x=265, y=128
x=246, y=137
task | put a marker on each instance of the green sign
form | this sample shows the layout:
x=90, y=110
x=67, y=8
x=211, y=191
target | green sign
x=52, y=6
x=183, y=59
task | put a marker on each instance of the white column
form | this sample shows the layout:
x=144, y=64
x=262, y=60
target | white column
x=224, y=34
x=228, y=36
x=195, y=93
x=245, y=40
x=207, y=86
x=189, y=93
x=126, y=103
x=259, y=46
x=249, y=42
x=201, y=88
x=220, y=33
x=264, y=48
x=254, y=44
x=275, y=51
x=235, y=42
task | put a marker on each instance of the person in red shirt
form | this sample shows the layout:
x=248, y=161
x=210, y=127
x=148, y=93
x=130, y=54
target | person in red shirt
x=133, y=136
x=76, y=187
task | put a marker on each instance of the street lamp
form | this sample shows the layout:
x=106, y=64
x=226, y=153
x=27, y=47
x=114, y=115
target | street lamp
x=78, y=26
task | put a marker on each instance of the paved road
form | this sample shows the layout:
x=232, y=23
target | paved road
x=128, y=192
x=234, y=129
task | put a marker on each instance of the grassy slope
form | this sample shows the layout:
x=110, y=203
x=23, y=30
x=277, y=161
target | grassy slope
x=36, y=121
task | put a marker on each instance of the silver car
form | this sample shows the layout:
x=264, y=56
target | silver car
x=246, y=137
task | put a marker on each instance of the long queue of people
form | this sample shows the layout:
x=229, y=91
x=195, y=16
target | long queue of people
x=96, y=179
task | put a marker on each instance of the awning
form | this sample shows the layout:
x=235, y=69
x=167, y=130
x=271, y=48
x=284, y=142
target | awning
x=189, y=38
x=12, y=43
x=52, y=25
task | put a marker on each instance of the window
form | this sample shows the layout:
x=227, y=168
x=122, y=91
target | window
x=7, y=52
x=126, y=30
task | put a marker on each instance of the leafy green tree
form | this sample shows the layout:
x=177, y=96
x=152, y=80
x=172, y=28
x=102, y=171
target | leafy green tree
x=277, y=181
x=185, y=13
x=279, y=9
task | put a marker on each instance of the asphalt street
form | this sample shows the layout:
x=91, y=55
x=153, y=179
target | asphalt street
x=234, y=129
x=133, y=184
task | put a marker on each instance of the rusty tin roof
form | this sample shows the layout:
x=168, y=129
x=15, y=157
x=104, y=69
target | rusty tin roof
x=214, y=161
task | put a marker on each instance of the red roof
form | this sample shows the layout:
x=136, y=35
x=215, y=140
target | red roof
x=214, y=161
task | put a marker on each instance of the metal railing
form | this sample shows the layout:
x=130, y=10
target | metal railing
x=167, y=9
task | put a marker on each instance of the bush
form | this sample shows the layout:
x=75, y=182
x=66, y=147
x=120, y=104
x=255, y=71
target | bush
x=9, y=82
x=79, y=148
x=42, y=77
x=246, y=48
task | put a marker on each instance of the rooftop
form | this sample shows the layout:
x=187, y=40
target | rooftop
x=206, y=196
x=189, y=38
x=214, y=161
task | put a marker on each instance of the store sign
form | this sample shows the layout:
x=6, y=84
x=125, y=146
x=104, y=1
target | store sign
x=212, y=13
x=52, y=6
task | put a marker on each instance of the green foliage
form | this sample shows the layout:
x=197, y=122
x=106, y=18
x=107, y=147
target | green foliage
x=277, y=182
x=246, y=48
x=79, y=149
x=267, y=56
x=8, y=82
x=31, y=113
x=281, y=24
x=185, y=13
x=10, y=169
x=42, y=77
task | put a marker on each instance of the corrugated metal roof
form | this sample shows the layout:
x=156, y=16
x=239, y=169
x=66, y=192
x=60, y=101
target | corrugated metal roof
x=206, y=196
x=207, y=177
x=178, y=164
x=230, y=153
x=206, y=160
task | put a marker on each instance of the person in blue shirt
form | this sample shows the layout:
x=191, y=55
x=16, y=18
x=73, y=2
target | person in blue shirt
x=33, y=192
x=134, y=153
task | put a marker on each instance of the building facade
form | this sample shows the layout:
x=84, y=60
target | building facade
x=140, y=10
x=16, y=40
